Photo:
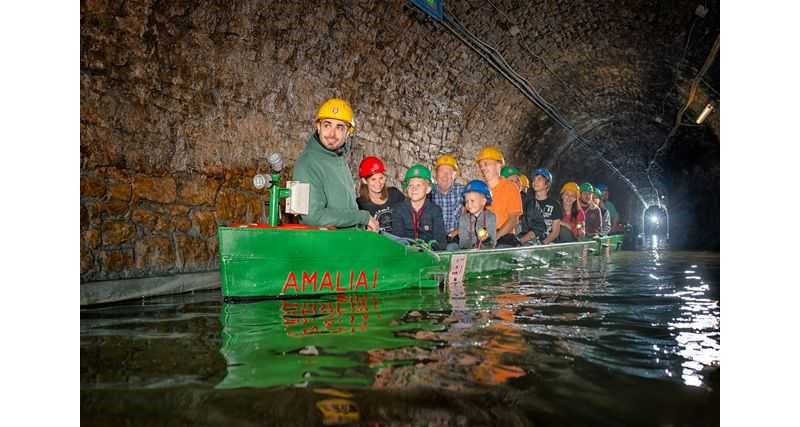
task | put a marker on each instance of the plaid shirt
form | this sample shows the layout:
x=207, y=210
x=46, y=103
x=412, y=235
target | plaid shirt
x=450, y=204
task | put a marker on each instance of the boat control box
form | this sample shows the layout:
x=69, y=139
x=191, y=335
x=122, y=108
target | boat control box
x=297, y=202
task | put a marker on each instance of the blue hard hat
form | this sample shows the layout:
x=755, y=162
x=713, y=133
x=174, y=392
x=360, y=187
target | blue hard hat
x=543, y=172
x=602, y=187
x=478, y=186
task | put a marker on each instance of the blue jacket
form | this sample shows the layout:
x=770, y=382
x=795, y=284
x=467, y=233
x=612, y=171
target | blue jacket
x=430, y=227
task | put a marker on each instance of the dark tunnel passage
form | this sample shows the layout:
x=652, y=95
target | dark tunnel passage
x=182, y=101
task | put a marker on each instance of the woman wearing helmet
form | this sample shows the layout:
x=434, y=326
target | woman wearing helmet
x=374, y=195
x=574, y=218
x=477, y=225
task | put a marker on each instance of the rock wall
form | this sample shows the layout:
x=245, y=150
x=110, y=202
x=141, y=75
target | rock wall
x=181, y=102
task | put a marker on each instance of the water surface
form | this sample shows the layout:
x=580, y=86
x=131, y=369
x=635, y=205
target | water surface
x=634, y=339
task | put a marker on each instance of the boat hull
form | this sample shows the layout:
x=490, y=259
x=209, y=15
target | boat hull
x=275, y=262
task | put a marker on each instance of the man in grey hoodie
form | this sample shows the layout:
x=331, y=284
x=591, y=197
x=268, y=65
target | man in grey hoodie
x=332, y=198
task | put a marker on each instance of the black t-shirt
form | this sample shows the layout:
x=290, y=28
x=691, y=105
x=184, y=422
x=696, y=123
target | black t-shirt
x=382, y=212
x=551, y=211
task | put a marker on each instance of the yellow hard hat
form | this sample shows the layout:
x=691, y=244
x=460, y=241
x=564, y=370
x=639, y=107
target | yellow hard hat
x=446, y=159
x=490, y=153
x=338, y=109
x=571, y=186
x=524, y=180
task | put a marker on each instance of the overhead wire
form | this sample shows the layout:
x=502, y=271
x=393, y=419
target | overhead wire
x=581, y=96
x=496, y=60
x=710, y=58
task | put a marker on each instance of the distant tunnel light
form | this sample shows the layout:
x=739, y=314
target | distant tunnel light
x=654, y=219
x=706, y=111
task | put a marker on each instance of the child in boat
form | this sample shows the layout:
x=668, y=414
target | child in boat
x=417, y=217
x=374, y=195
x=574, y=219
x=477, y=225
x=594, y=217
x=605, y=228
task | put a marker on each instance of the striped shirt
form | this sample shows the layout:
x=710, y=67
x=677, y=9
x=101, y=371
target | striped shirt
x=450, y=203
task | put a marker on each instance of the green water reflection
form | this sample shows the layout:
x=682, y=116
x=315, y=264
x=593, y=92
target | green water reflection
x=320, y=341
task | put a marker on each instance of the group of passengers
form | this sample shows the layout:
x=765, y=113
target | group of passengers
x=498, y=211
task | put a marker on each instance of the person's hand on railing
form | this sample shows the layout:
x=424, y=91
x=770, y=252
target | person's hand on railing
x=373, y=224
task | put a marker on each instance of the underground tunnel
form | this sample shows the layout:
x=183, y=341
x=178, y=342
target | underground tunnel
x=182, y=103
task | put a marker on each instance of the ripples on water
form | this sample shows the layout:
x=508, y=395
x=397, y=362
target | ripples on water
x=634, y=340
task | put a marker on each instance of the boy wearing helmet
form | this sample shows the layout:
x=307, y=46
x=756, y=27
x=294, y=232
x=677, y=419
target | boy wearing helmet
x=374, y=195
x=417, y=217
x=521, y=181
x=477, y=226
x=332, y=198
x=605, y=224
x=594, y=218
x=447, y=194
x=549, y=207
x=506, y=199
x=610, y=207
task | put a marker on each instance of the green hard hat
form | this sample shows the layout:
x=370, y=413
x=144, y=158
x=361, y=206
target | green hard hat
x=587, y=187
x=417, y=171
x=507, y=171
x=598, y=191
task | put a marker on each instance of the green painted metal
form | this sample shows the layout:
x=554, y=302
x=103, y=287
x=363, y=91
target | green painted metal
x=301, y=341
x=276, y=193
x=270, y=262
x=278, y=262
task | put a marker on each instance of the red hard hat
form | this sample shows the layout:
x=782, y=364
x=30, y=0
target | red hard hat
x=370, y=166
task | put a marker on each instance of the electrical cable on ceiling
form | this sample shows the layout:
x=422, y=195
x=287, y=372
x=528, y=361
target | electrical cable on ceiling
x=712, y=55
x=581, y=97
x=496, y=60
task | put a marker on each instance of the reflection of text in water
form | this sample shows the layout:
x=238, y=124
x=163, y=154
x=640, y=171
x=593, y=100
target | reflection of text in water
x=347, y=314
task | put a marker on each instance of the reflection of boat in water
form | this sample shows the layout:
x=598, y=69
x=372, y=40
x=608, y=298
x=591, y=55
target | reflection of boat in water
x=266, y=261
x=300, y=342
x=480, y=344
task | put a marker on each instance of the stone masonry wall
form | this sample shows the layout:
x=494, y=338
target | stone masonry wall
x=181, y=102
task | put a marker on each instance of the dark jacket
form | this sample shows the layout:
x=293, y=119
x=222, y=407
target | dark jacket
x=532, y=219
x=431, y=224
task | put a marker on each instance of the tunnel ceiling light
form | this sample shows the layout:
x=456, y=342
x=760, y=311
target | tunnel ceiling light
x=706, y=111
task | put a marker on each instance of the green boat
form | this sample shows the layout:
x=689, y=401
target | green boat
x=298, y=261
x=282, y=261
